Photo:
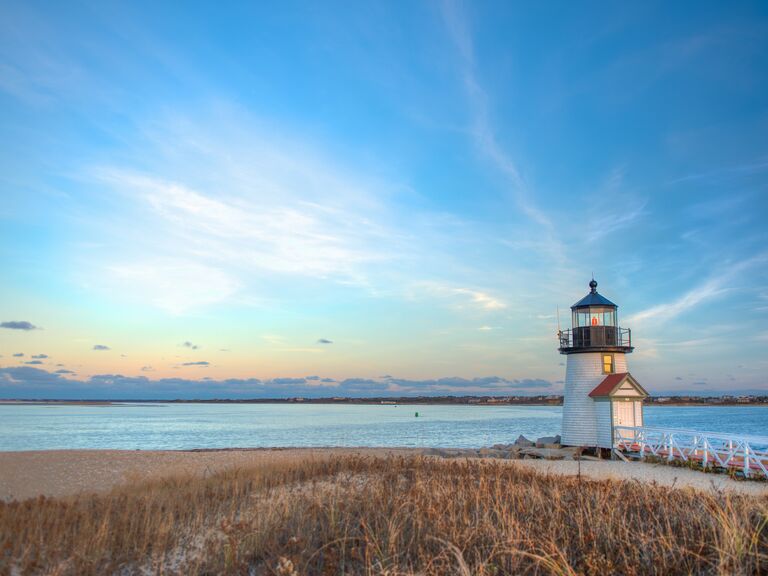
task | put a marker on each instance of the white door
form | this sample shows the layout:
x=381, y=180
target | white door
x=623, y=413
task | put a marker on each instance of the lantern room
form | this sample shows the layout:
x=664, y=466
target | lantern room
x=594, y=326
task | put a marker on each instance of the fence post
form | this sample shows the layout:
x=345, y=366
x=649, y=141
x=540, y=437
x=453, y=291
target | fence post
x=705, y=463
x=746, y=460
x=670, y=453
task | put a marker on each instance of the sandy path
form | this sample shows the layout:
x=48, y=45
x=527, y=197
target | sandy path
x=659, y=473
x=67, y=472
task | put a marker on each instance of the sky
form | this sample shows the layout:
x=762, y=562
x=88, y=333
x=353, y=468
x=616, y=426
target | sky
x=206, y=200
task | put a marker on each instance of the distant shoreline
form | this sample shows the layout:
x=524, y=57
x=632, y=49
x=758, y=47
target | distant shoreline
x=421, y=401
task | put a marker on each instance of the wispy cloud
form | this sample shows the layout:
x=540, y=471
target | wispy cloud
x=173, y=284
x=265, y=205
x=189, y=344
x=200, y=363
x=324, y=341
x=481, y=299
x=482, y=128
x=612, y=221
x=708, y=290
x=101, y=347
x=461, y=296
x=719, y=174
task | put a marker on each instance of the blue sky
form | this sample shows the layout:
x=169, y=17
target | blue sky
x=387, y=198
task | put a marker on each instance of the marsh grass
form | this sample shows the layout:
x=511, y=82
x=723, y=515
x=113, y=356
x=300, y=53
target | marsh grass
x=355, y=515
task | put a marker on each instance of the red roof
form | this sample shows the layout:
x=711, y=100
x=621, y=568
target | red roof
x=607, y=386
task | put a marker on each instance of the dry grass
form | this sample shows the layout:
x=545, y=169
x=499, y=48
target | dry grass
x=357, y=515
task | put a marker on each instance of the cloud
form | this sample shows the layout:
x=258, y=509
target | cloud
x=189, y=344
x=708, y=290
x=200, y=363
x=678, y=378
x=486, y=385
x=30, y=382
x=285, y=381
x=40, y=356
x=720, y=174
x=147, y=369
x=101, y=347
x=482, y=128
x=63, y=371
x=19, y=325
x=18, y=355
x=478, y=298
x=481, y=299
x=609, y=222
x=173, y=284
x=324, y=341
x=34, y=362
x=266, y=205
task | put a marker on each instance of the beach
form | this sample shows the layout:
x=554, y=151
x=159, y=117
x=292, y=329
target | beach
x=60, y=473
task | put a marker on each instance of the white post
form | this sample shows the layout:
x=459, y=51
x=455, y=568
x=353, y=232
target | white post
x=705, y=463
x=670, y=454
x=746, y=460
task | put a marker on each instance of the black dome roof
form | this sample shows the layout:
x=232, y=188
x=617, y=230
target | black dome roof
x=593, y=298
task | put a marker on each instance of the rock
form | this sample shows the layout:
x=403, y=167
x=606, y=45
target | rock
x=493, y=453
x=446, y=452
x=548, y=442
x=547, y=453
x=523, y=442
x=503, y=446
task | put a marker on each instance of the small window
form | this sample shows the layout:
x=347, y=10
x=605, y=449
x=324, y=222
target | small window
x=608, y=364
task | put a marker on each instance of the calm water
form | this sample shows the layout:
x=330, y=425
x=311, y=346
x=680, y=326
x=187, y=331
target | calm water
x=180, y=426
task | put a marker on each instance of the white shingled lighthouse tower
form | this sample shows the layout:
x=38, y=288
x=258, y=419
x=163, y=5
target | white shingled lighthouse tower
x=600, y=393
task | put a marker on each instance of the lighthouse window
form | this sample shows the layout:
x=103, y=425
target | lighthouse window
x=608, y=366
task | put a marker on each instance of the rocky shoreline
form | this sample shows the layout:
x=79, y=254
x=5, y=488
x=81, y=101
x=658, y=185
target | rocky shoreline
x=545, y=448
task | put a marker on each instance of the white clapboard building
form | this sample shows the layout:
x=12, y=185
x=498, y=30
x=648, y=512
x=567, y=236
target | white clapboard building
x=600, y=393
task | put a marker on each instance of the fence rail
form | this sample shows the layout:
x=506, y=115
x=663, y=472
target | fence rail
x=745, y=454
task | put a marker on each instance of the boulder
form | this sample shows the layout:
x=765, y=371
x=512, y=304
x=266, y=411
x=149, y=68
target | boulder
x=548, y=442
x=523, y=442
x=493, y=453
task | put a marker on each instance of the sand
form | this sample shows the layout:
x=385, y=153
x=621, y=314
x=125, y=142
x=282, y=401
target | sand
x=69, y=472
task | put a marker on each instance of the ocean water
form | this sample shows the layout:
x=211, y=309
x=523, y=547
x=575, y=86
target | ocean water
x=184, y=426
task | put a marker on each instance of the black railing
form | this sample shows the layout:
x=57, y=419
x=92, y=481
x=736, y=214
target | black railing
x=596, y=337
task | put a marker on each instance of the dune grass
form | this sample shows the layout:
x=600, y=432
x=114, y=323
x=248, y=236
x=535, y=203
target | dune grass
x=397, y=515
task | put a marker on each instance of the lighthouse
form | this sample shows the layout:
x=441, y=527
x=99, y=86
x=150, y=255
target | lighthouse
x=600, y=393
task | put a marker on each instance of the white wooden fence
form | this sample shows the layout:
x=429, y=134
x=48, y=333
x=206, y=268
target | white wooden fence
x=746, y=454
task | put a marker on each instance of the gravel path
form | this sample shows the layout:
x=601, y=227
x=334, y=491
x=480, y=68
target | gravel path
x=67, y=472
